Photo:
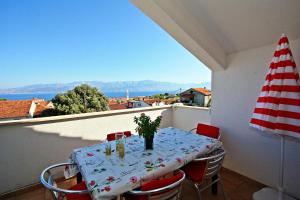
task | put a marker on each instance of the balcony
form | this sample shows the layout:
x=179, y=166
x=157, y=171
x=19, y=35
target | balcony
x=236, y=39
x=37, y=143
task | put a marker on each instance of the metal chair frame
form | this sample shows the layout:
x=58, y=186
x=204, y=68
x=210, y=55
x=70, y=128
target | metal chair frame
x=49, y=182
x=214, y=163
x=164, y=193
x=219, y=137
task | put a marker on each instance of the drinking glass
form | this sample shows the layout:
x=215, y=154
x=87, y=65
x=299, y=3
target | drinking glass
x=119, y=136
x=121, y=149
x=107, y=148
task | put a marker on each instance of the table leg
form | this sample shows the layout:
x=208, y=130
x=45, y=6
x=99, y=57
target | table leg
x=214, y=187
x=79, y=177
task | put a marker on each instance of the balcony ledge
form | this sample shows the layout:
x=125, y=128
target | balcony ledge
x=193, y=107
x=45, y=120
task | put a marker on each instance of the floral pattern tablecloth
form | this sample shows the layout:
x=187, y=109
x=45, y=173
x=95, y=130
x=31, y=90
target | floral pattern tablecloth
x=108, y=176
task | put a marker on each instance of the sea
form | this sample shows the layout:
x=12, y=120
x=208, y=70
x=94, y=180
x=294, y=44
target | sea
x=49, y=96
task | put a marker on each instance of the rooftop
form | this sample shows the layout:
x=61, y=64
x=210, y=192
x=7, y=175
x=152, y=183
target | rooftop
x=13, y=109
x=41, y=106
x=203, y=91
x=22, y=108
x=118, y=106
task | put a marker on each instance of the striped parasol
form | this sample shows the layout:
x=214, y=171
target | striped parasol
x=278, y=107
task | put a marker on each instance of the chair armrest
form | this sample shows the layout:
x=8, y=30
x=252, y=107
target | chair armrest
x=219, y=138
x=214, y=154
x=48, y=184
x=162, y=189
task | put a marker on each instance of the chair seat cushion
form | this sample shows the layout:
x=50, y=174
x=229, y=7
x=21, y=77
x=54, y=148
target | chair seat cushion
x=155, y=184
x=79, y=186
x=195, y=170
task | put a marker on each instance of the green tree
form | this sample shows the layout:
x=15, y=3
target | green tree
x=159, y=96
x=3, y=99
x=119, y=101
x=82, y=99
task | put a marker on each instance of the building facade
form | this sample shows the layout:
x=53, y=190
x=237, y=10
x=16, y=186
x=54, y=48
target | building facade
x=196, y=96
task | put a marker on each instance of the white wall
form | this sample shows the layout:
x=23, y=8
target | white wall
x=26, y=149
x=235, y=91
x=187, y=117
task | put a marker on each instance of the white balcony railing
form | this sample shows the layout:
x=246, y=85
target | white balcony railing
x=28, y=146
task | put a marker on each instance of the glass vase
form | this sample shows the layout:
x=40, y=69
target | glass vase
x=149, y=143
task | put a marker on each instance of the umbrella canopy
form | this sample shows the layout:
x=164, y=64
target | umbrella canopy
x=278, y=105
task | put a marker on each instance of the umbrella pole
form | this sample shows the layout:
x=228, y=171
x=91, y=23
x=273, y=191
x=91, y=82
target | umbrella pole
x=281, y=168
x=270, y=193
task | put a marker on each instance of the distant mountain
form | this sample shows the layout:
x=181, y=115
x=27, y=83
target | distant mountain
x=115, y=86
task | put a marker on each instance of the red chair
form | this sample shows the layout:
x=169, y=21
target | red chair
x=113, y=136
x=127, y=133
x=79, y=186
x=208, y=130
x=76, y=192
x=166, y=188
x=201, y=170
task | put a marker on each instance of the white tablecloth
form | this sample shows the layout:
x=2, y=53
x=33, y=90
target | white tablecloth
x=108, y=176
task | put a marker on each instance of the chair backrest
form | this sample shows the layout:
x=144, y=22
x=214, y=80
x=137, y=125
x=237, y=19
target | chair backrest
x=208, y=130
x=127, y=133
x=117, y=135
x=111, y=136
x=48, y=181
x=170, y=191
x=114, y=136
x=213, y=161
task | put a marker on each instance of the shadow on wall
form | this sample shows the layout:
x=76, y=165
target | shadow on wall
x=24, y=153
x=96, y=128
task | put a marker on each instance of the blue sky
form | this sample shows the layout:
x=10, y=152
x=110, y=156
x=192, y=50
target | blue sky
x=59, y=41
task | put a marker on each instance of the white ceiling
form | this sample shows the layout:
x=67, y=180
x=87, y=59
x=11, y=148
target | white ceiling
x=243, y=24
x=212, y=29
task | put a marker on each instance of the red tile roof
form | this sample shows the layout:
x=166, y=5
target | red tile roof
x=20, y=108
x=14, y=109
x=151, y=101
x=203, y=91
x=41, y=106
x=118, y=106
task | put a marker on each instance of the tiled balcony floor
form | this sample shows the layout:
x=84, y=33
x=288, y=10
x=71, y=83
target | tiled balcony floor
x=237, y=187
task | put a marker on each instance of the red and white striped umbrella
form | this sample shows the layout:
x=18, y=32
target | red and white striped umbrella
x=278, y=105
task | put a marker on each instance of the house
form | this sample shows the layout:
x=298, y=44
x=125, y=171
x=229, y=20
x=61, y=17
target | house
x=196, y=96
x=22, y=109
x=119, y=104
x=137, y=104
